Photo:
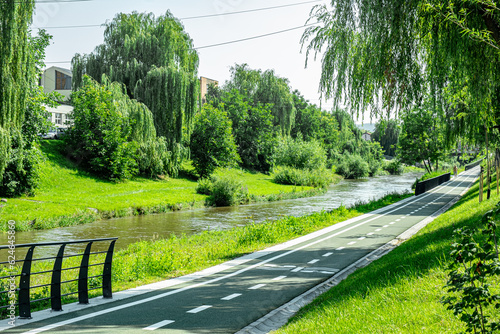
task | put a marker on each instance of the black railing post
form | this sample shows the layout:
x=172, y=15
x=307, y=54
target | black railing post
x=55, y=284
x=24, y=286
x=106, y=272
x=83, y=277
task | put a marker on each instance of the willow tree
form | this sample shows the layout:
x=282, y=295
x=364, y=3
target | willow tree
x=265, y=88
x=155, y=60
x=385, y=55
x=16, y=71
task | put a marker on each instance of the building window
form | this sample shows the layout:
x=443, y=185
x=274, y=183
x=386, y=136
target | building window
x=58, y=119
x=63, y=81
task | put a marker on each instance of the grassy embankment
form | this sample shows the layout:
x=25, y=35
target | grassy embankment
x=400, y=292
x=70, y=196
x=155, y=260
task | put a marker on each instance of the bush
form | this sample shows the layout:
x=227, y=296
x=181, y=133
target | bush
x=302, y=177
x=212, y=141
x=300, y=154
x=204, y=186
x=21, y=175
x=98, y=139
x=226, y=191
x=154, y=158
x=353, y=167
x=394, y=167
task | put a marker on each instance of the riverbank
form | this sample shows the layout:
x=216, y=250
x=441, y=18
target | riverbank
x=69, y=196
x=400, y=292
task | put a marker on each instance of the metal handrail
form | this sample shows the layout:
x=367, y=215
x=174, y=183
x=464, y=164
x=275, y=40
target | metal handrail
x=24, y=301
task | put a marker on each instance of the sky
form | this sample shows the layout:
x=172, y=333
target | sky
x=281, y=52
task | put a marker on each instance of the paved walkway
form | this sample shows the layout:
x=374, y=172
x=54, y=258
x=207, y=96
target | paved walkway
x=258, y=292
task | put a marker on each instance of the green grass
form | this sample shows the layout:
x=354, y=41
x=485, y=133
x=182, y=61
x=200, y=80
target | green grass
x=400, y=292
x=151, y=261
x=70, y=196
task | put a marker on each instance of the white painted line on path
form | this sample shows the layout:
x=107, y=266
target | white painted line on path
x=313, y=261
x=385, y=226
x=340, y=248
x=279, y=278
x=327, y=254
x=234, y=295
x=371, y=233
x=362, y=238
x=398, y=220
x=378, y=230
x=158, y=325
x=352, y=243
x=392, y=223
x=296, y=270
x=199, y=309
x=256, y=287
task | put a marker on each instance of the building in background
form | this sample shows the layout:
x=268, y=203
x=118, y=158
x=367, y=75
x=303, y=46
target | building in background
x=367, y=136
x=58, y=79
x=204, y=84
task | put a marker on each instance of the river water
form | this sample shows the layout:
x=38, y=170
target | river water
x=133, y=229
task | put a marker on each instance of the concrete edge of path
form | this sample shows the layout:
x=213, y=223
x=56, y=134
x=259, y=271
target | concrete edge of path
x=134, y=292
x=280, y=316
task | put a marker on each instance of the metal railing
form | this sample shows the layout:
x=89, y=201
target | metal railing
x=474, y=164
x=429, y=184
x=24, y=287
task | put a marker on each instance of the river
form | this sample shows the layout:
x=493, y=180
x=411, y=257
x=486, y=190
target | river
x=133, y=229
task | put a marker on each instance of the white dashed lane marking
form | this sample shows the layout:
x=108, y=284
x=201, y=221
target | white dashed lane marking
x=327, y=254
x=340, y=248
x=234, y=295
x=296, y=270
x=362, y=238
x=371, y=233
x=313, y=261
x=385, y=226
x=199, y=309
x=158, y=325
x=279, y=278
x=352, y=243
x=256, y=287
x=378, y=230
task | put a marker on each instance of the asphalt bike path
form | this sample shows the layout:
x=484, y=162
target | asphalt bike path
x=235, y=295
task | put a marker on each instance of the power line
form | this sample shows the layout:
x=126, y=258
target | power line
x=183, y=18
x=254, y=37
x=220, y=44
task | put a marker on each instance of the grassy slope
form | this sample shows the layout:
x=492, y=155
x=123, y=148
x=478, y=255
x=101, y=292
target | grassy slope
x=65, y=191
x=400, y=292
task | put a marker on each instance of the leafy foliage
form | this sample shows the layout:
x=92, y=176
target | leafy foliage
x=387, y=134
x=353, y=166
x=299, y=154
x=475, y=263
x=320, y=177
x=421, y=138
x=98, y=139
x=212, y=141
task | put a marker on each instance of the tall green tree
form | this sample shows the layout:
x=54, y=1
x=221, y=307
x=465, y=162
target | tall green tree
x=212, y=142
x=265, y=88
x=155, y=60
x=17, y=70
x=387, y=134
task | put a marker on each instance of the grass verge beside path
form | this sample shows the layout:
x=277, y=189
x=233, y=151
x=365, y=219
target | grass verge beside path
x=68, y=196
x=152, y=261
x=400, y=292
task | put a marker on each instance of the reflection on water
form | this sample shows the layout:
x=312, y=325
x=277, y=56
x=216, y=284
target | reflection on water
x=132, y=229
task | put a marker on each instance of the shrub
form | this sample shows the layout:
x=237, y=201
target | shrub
x=204, y=186
x=300, y=154
x=394, y=167
x=302, y=177
x=353, y=167
x=212, y=142
x=226, y=191
x=98, y=139
x=21, y=174
x=154, y=158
